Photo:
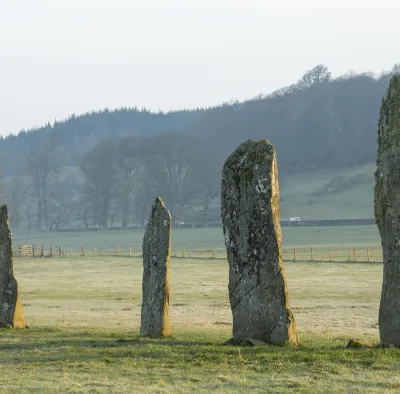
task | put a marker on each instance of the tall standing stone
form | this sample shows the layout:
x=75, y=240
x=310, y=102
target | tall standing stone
x=11, y=314
x=387, y=211
x=156, y=264
x=251, y=223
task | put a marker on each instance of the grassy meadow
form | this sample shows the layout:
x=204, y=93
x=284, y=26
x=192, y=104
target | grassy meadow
x=84, y=319
x=329, y=194
x=198, y=243
x=205, y=238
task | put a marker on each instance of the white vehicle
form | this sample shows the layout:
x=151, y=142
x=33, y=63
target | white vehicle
x=295, y=219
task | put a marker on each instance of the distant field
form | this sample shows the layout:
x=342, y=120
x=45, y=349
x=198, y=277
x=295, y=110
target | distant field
x=206, y=238
x=325, y=194
x=84, y=317
x=330, y=194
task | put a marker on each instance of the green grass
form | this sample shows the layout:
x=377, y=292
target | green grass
x=84, y=318
x=330, y=194
x=120, y=362
x=324, y=194
x=204, y=238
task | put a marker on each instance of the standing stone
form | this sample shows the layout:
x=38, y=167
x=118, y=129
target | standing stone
x=387, y=211
x=155, y=286
x=251, y=223
x=11, y=314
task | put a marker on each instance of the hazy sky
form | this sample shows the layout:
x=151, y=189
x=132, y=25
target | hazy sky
x=59, y=57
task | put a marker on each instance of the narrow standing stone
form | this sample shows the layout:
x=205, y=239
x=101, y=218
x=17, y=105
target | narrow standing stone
x=387, y=211
x=251, y=223
x=11, y=314
x=156, y=264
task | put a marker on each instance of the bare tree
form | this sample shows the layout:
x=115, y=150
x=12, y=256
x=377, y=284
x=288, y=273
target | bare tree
x=15, y=194
x=42, y=168
x=130, y=170
x=207, y=176
x=101, y=180
x=171, y=162
x=319, y=73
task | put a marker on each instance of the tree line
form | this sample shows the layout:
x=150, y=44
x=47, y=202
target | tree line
x=115, y=183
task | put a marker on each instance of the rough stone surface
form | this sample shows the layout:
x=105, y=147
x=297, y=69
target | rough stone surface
x=11, y=314
x=156, y=264
x=387, y=211
x=251, y=223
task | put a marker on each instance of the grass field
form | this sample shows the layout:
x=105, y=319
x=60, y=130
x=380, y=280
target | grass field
x=325, y=194
x=84, y=317
x=328, y=243
x=330, y=194
x=202, y=238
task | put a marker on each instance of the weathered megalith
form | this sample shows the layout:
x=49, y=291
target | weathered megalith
x=156, y=264
x=251, y=223
x=387, y=211
x=11, y=314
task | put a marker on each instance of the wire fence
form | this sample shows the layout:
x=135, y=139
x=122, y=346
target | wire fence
x=318, y=254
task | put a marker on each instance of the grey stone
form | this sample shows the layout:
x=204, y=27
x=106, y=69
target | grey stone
x=11, y=313
x=156, y=271
x=251, y=223
x=387, y=211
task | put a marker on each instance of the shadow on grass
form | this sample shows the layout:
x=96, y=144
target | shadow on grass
x=176, y=353
x=53, y=346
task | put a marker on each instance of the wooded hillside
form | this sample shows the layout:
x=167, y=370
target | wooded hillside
x=122, y=159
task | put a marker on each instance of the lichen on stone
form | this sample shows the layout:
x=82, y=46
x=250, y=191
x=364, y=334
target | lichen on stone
x=257, y=283
x=387, y=211
x=156, y=273
x=11, y=313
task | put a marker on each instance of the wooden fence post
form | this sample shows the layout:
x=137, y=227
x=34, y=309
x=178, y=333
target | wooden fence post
x=51, y=251
x=42, y=252
x=294, y=253
x=117, y=250
x=330, y=254
x=83, y=250
x=183, y=253
x=212, y=253
x=33, y=250
x=94, y=251
x=368, y=256
x=349, y=255
x=312, y=254
x=130, y=251
x=354, y=254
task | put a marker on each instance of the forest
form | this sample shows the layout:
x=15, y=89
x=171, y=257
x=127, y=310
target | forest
x=102, y=169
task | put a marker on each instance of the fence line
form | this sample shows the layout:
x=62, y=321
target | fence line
x=311, y=253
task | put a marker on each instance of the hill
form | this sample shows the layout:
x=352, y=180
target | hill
x=318, y=195
x=78, y=134
x=330, y=194
x=318, y=122
x=323, y=129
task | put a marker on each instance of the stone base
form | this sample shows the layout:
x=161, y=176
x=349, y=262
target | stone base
x=245, y=342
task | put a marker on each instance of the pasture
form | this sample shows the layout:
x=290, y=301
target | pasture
x=205, y=238
x=84, y=318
